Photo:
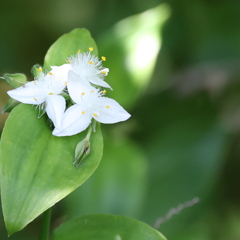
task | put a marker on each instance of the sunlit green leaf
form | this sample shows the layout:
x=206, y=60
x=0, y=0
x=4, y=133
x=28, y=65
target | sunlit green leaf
x=37, y=168
x=67, y=45
x=131, y=48
x=104, y=227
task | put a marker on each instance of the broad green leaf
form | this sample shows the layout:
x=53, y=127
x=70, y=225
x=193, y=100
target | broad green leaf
x=131, y=48
x=106, y=227
x=15, y=80
x=67, y=45
x=37, y=168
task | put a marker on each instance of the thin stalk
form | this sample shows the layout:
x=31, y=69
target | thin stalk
x=44, y=234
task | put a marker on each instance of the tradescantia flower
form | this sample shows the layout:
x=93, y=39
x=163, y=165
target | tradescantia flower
x=90, y=103
x=44, y=92
x=87, y=68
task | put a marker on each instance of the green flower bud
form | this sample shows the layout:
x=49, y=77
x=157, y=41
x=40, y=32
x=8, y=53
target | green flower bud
x=81, y=152
x=37, y=70
x=15, y=80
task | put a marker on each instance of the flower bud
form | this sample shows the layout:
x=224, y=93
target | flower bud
x=81, y=152
x=15, y=80
x=37, y=71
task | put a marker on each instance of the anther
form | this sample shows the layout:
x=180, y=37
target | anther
x=69, y=61
x=35, y=99
x=51, y=93
x=104, y=58
x=104, y=72
x=83, y=112
x=65, y=83
x=35, y=83
x=95, y=115
x=50, y=73
x=107, y=106
x=90, y=62
x=79, y=51
x=91, y=49
x=104, y=91
x=39, y=69
x=92, y=91
x=83, y=93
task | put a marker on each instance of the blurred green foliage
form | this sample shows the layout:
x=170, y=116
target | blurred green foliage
x=184, y=135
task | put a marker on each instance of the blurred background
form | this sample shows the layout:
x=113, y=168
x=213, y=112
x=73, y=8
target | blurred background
x=174, y=65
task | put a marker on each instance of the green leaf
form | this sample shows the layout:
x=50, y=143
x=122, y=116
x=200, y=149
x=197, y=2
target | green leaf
x=37, y=168
x=15, y=80
x=102, y=227
x=68, y=45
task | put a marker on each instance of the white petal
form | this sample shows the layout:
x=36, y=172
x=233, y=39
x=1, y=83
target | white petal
x=30, y=93
x=98, y=81
x=78, y=87
x=61, y=71
x=109, y=111
x=55, y=108
x=75, y=120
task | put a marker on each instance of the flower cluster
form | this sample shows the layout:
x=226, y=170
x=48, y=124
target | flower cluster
x=82, y=78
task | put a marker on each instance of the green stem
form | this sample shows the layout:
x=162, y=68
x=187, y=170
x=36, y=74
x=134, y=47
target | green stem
x=88, y=133
x=44, y=234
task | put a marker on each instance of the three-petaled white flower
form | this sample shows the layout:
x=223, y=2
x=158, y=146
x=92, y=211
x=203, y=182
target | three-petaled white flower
x=44, y=90
x=90, y=103
x=87, y=68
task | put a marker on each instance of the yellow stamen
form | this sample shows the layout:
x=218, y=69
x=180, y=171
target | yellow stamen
x=83, y=93
x=83, y=112
x=91, y=49
x=107, y=106
x=104, y=58
x=92, y=91
x=104, y=91
x=39, y=69
x=90, y=62
x=104, y=72
x=95, y=115
x=35, y=83
x=35, y=99
x=65, y=83
x=51, y=93
x=50, y=73
x=79, y=51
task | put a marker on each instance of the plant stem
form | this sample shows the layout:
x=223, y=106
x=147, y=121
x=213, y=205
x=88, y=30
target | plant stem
x=44, y=234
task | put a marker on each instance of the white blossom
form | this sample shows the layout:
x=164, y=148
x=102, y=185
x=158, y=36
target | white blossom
x=87, y=68
x=44, y=90
x=90, y=103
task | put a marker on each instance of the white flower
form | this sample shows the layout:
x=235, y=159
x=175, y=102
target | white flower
x=87, y=69
x=90, y=103
x=44, y=90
